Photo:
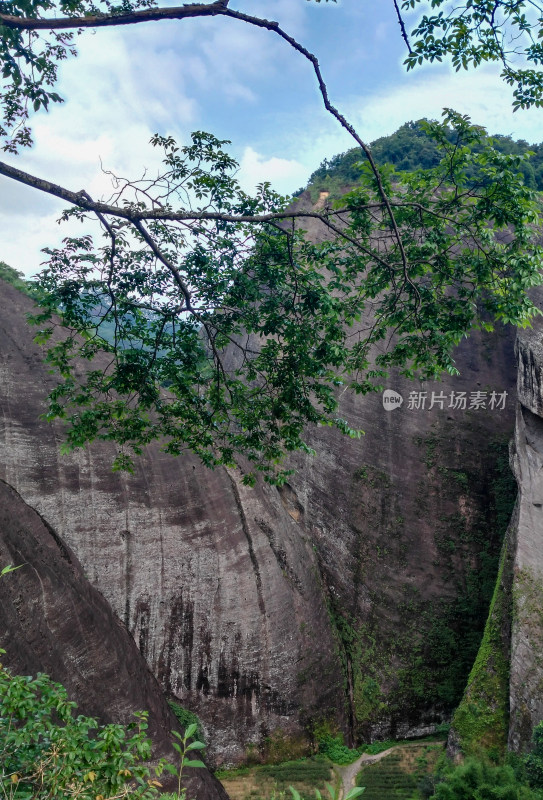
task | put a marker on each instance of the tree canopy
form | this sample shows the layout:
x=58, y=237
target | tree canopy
x=225, y=329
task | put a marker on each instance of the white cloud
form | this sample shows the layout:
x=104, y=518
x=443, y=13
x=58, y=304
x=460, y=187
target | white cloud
x=284, y=174
x=481, y=94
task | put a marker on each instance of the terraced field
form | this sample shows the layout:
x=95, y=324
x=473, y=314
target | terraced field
x=397, y=776
x=272, y=780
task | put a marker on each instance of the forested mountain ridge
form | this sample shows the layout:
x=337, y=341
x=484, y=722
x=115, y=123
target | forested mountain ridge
x=409, y=149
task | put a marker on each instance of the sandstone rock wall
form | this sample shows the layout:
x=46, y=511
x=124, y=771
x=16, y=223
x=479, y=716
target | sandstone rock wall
x=343, y=595
x=213, y=581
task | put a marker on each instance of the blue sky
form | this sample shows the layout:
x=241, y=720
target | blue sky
x=242, y=84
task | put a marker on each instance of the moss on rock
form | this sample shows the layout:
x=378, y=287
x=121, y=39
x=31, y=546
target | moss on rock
x=480, y=722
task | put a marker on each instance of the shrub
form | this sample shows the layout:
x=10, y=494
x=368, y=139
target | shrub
x=534, y=761
x=337, y=751
x=47, y=751
x=479, y=779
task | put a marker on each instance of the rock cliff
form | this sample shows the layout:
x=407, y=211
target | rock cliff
x=356, y=594
x=212, y=580
x=503, y=698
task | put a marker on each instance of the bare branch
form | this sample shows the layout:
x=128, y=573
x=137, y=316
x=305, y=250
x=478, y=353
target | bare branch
x=401, y=23
x=274, y=26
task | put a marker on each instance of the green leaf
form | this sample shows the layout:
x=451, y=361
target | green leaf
x=195, y=746
x=190, y=730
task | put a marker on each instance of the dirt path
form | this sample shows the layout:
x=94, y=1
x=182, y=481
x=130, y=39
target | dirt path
x=347, y=775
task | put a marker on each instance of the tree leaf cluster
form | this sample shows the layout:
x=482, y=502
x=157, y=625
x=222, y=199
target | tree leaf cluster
x=49, y=751
x=474, y=32
x=253, y=327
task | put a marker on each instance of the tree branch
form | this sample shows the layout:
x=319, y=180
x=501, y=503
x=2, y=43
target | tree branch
x=221, y=8
x=82, y=200
x=401, y=23
x=105, y=20
x=274, y=26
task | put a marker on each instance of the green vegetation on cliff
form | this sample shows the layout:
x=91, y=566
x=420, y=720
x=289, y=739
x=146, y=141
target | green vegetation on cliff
x=481, y=720
x=410, y=149
x=16, y=278
x=389, y=678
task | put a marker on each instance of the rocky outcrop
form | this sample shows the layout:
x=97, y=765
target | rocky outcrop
x=52, y=620
x=526, y=675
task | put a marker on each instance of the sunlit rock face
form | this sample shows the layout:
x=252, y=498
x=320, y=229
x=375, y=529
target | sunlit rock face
x=52, y=620
x=526, y=677
x=354, y=594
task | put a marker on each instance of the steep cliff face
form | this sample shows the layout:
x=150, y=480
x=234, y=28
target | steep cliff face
x=355, y=593
x=503, y=700
x=214, y=581
x=526, y=675
x=52, y=620
x=408, y=525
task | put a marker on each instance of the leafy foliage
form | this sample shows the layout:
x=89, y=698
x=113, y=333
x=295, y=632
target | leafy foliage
x=473, y=32
x=46, y=751
x=221, y=298
x=30, y=59
x=336, y=750
x=251, y=326
x=534, y=761
x=478, y=778
x=186, y=718
x=333, y=793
